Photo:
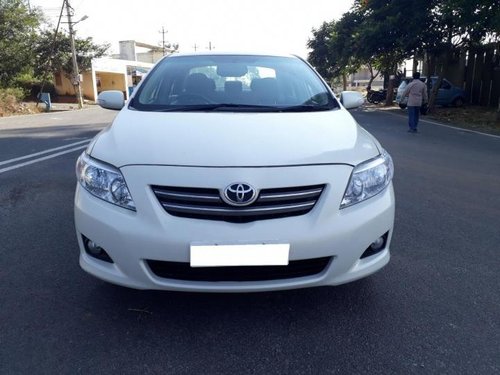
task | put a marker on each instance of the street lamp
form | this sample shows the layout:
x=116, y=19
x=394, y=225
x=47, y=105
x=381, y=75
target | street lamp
x=81, y=19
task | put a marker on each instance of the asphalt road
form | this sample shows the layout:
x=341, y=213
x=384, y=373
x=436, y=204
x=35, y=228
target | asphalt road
x=435, y=309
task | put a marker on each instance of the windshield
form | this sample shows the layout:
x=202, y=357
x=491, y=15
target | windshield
x=233, y=83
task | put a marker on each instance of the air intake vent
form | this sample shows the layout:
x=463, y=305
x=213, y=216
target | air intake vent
x=206, y=204
x=183, y=271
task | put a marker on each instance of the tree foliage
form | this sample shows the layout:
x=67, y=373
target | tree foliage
x=458, y=24
x=18, y=34
x=334, y=50
x=57, y=56
x=27, y=49
x=320, y=56
x=384, y=33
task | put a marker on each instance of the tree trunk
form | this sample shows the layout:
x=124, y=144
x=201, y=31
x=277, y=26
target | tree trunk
x=426, y=65
x=415, y=64
x=372, y=76
x=370, y=81
x=344, y=81
x=435, y=88
x=498, y=111
x=390, y=87
x=386, y=79
x=390, y=93
x=434, y=92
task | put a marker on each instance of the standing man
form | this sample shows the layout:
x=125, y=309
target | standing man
x=416, y=91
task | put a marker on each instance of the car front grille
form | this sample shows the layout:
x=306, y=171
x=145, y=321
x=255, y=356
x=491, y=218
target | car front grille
x=183, y=271
x=203, y=203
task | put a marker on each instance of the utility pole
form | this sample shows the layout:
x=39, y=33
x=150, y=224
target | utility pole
x=209, y=46
x=163, y=32
x=76, y=74
x=48, y=63
x=195, y=47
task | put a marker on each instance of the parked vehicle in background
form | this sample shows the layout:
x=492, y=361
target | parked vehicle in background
x=376, y=96
x=448, y=94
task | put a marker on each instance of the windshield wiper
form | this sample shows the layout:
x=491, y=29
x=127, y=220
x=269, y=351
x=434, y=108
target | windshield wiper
x=304, y=108
x=217, y=107
x=244, y=108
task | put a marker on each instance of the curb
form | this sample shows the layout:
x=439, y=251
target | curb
x=55, y=112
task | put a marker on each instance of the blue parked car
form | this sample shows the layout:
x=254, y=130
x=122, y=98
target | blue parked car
x=448, y=93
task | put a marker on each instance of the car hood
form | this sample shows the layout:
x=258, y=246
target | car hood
x=226, y=139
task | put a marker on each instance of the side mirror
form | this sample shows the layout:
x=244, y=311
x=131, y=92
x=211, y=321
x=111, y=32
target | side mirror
x=351, y=99
x=112, y=99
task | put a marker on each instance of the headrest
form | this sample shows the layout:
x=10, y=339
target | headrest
x=198, y=82
x=264, y=84
x=233, y=86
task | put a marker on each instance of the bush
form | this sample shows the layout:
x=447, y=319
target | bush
x=16, y=92
x=9, y=100
x=32, y=85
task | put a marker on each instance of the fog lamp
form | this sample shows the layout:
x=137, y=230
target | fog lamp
x=378, y=243
x=95, y=251
x=93, y=248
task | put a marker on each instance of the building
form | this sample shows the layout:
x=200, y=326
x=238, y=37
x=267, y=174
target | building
x=121, y=72
x=362, y=77
x=106, y=74
x=143, y=52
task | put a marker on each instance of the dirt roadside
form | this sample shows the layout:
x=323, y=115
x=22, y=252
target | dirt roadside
x=31, y=108
x=475, y=118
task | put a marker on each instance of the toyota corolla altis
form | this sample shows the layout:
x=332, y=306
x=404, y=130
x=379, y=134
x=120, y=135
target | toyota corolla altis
x=233, y=173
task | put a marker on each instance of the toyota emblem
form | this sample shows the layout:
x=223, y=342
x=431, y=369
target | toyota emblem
x=239, y=194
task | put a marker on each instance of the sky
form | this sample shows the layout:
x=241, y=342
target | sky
x=280, y=26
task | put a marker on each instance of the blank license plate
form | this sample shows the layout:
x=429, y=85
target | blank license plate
x=239, y=255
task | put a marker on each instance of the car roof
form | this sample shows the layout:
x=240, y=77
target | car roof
x=231, y=53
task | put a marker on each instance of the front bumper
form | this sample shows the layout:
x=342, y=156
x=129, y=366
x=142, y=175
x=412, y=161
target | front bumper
x=131, y=238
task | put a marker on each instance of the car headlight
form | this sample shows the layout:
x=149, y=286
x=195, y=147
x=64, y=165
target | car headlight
x=103, y=181
x=368, y=179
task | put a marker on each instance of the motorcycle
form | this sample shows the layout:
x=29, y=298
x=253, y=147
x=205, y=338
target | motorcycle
x=376, y=97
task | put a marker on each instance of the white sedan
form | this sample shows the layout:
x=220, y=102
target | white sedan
x=233, y=173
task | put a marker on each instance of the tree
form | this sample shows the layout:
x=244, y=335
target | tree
x=334, y=49
x=381, y=34
x=320, y=56
x=58, y=56
x=18, y=35
x=390, y=33
x=344, y=45
x=460, y=24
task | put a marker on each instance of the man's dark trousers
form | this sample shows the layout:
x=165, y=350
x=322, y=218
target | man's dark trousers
x=413, y=115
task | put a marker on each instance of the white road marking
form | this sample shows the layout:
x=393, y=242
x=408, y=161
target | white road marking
x=43, y=152
x=16, y=166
